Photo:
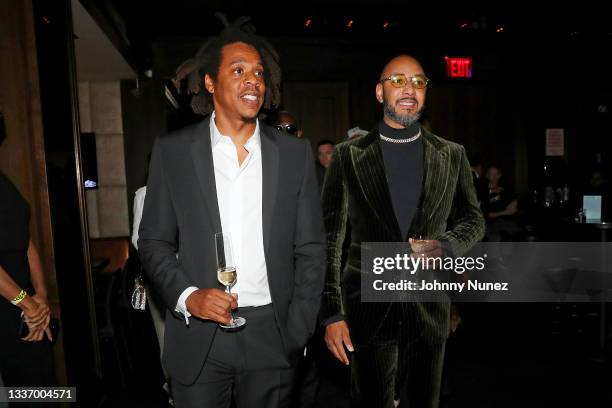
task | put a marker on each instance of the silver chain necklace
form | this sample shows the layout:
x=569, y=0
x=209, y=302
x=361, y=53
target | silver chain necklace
x=410, y=139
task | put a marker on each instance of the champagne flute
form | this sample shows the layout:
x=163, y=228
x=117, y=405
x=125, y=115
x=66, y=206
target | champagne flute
x=227, y=273
x=418, y=243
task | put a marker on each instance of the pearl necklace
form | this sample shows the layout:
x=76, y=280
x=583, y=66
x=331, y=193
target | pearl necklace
x=410, y=139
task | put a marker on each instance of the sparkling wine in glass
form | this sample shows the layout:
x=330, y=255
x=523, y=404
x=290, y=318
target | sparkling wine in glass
x=227, y=273
x=418, y=242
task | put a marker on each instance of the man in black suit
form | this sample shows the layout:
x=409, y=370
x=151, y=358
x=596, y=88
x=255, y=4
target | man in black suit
x=395, y=183
x=234, y=174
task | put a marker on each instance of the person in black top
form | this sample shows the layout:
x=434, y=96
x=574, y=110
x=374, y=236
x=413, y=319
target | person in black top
x=480, y=182
x=500, y=207
x=24, y=361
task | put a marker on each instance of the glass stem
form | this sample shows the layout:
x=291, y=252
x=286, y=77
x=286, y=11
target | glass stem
x=228, y=289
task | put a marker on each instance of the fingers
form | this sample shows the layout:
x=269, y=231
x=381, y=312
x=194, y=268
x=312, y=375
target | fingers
x=39, y=335
x=218, y=313
x=230, y=299
x=341, y=352
x=48, y=333
x=34, y=335
x=332, y=346
x=223, y=318
x=37, y=331
x=336, y=337
x=212, y=304
x=346, y=339
x=37, y=320
x=426, y=248
x=39, y=316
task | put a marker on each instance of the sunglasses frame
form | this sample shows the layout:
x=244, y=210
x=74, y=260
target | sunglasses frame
x=408, y=80
x=285, y=128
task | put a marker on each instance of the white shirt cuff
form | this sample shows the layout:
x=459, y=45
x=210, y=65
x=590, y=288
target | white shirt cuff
x=181, y=306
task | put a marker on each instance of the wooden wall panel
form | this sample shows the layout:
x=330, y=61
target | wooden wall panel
x=22, y=156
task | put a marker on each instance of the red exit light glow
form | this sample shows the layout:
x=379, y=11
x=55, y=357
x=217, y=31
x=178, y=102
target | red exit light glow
x=459, y=67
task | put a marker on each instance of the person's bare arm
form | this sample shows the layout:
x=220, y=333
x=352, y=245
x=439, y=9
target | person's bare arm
x=36, y=315
x=37, y=275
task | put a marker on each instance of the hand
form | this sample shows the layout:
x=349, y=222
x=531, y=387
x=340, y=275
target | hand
x=428, y=248
x=41, y=298
x=212, y=304
x=455, y=318
x=337, y=337
x=37, y=316
x=36, y=333
x=34, y=311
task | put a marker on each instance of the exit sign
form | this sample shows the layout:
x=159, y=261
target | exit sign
x=458, y=67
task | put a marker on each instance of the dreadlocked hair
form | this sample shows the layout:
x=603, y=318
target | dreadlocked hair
x=208, y=59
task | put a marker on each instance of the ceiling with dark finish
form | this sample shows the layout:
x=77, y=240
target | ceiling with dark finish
x=140, y=24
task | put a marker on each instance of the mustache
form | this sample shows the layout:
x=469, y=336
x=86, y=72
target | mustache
x=408, y=99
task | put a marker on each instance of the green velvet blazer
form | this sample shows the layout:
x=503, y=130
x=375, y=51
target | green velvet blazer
x=356, y=192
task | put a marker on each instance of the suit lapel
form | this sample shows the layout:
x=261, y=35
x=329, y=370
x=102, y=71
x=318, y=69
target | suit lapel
x=201, y=154
x=369, y=168
x=270, y=163
x=435, y=177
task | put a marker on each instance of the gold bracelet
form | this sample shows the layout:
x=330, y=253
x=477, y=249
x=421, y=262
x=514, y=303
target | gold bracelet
x=22, y=295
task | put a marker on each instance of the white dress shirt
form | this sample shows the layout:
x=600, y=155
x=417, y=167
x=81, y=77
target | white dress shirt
x=139, y=198
x=239, y=194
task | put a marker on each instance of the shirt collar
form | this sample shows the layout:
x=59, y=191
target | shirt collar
x=216, y=136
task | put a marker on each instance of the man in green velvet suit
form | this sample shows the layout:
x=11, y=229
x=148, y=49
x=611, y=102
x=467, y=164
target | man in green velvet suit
x=398, y=182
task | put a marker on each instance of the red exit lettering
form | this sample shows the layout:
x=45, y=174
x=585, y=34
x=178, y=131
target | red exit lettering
x=459, y=67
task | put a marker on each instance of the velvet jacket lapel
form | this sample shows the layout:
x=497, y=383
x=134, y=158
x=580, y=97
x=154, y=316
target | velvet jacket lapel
x=435, y=179
x=369, y=168
x=367, y=160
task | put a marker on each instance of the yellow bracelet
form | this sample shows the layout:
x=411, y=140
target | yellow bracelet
x=22, y=295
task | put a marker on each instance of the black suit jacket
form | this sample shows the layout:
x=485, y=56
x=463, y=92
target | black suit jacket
x=181, y=215
x=356, y=192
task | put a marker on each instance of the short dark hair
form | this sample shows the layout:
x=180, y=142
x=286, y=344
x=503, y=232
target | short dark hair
x=274, y=117
x=208, y=59
x=494, y=166
x=324, y=142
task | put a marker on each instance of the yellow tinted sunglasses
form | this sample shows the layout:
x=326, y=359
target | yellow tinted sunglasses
x=401, y=80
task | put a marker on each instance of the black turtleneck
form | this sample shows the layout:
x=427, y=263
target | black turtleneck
x=404, y=168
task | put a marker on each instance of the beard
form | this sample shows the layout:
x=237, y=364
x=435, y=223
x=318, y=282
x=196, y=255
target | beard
x=404, y=120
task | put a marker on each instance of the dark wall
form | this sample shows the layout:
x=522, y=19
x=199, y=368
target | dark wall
x=144, y=119
x=55, y=58
x=520, y=86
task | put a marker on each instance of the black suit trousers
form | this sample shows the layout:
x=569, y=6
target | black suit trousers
x=399, y=363
x=248, y=366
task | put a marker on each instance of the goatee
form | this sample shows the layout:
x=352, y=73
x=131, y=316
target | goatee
x=404, y=120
